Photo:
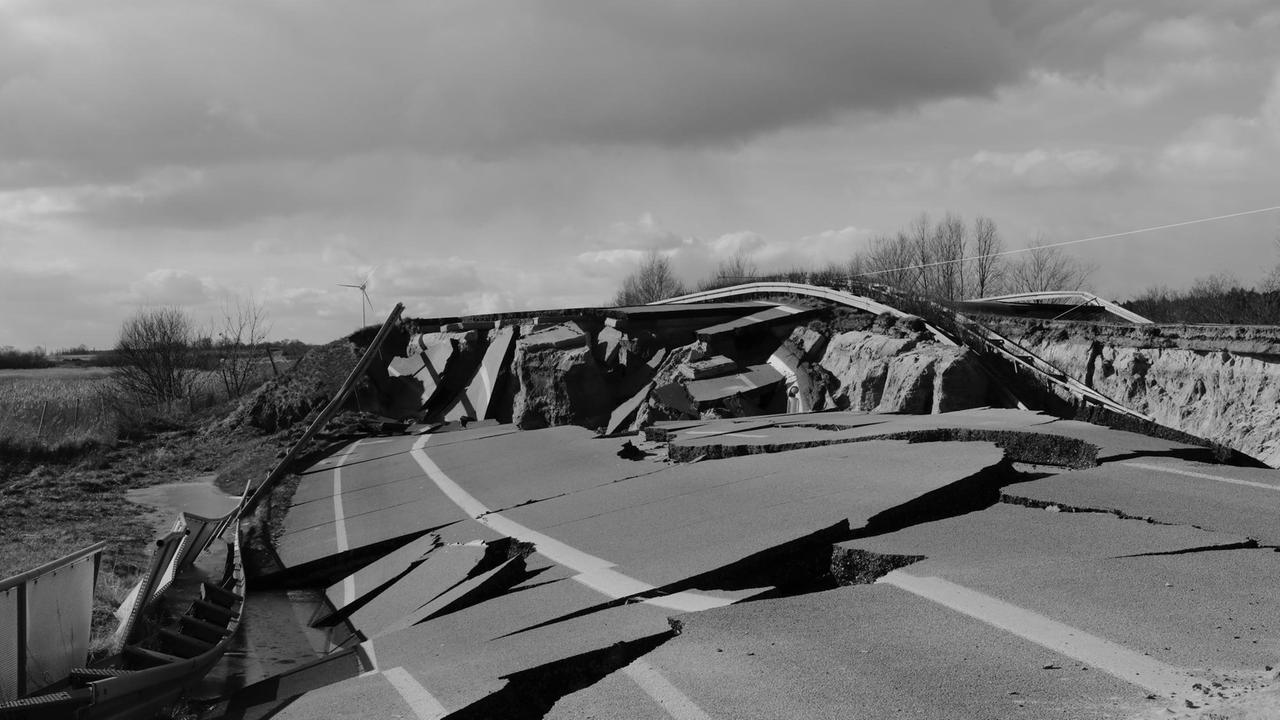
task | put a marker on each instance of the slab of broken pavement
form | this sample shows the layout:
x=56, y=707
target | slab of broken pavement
x=982, y=563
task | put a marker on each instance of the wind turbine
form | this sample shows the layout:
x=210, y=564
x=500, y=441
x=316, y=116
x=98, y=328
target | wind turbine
x=363, y=292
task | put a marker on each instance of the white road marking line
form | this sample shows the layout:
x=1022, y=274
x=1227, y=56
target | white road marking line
x=423, y=703
x=1203, y=476
x=340, y=522
x=1112, y=658
x=668, y=696
x=596, y=573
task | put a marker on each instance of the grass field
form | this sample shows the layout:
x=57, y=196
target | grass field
x=56, y=409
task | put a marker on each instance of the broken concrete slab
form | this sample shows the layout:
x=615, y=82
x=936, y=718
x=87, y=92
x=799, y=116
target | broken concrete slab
x=686, y=520
x=807, y=344
x=364, y=584
x=406, y=366
x=470, y=655
x=755, y=378
x=710, y=367
x=483, y=391
x=443, y=568
x=674, y=397
x=623, y=415
x=467, y=592
x=1028, y=436
x=561, y=336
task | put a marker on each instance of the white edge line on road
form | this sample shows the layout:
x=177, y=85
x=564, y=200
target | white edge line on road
x=1112, y=658
x=424, y=704
x=340, y=522
x=660, y=690
x=1203, y=476
x=596, y=573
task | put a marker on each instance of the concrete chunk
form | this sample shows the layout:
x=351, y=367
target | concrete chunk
x=563, y=336
x=757, y=377
x=711, y=367
x=625, y=413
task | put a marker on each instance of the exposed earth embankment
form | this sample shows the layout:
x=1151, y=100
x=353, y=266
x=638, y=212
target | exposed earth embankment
x=1220, y=382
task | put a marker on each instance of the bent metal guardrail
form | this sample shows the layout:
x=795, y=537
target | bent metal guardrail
x=778, y=287
x=152, y=671
x=1087, y=299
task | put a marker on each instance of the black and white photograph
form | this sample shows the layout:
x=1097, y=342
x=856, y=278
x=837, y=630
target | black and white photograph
x=643, y=359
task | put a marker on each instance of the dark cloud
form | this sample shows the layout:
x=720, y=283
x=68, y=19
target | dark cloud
x=113, y=88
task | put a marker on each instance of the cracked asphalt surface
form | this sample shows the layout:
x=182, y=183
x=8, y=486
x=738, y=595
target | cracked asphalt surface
x=1022, y=606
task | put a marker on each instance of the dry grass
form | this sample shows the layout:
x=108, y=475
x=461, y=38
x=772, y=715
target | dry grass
x=55, y=410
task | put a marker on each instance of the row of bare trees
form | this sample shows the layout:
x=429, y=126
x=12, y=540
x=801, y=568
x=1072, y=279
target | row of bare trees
x=949, y=260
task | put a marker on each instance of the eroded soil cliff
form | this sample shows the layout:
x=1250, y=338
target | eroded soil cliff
x=1219, y=382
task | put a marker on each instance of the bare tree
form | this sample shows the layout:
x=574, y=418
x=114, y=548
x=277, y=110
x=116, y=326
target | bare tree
x=155, y=355
x=242, y=334
x=1048, y=268
x=735, y=270
x=988, y=266
x=950, y=241
x=1271, y=283
x=652, y=280
x=888, y=261
x=920, y=236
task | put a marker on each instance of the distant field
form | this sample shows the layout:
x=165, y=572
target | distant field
x=55, y=406
x=60, y=372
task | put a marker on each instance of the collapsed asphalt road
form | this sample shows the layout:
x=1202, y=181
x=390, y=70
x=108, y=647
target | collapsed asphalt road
x=967, y=564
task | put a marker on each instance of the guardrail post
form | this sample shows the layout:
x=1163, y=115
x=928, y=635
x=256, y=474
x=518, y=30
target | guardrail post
x=21, y=628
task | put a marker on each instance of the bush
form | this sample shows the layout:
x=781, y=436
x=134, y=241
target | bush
x=156, y=355
x=11, y=359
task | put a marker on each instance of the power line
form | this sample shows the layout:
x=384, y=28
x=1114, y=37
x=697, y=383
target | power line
x=1108, y=236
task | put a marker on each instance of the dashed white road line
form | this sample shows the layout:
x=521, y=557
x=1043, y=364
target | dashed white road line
x=423, y=703
x=1112, y=658
x=340, y=522
x=660, y=690
x=1203, y=476
x=596, y=573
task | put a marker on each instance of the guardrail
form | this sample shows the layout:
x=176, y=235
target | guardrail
x=45, y=616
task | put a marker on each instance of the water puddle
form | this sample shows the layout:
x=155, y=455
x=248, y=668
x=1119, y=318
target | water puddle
x=199, y=497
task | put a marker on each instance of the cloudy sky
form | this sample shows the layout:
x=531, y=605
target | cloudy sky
x=515, y=154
